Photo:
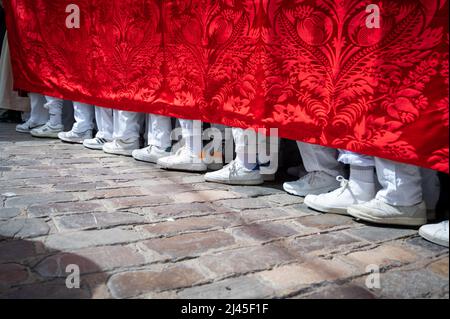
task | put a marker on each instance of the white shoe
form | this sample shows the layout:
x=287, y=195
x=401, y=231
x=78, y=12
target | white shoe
x=235, y=174
x=47, y=131
x=314, y=183
x=95, y=143
x=27, y=127
x=436, y=233
x=379, y=212
x=150, y=154
x=120, y=147
x=183, y=160
x=77, y=138
x=337, y=202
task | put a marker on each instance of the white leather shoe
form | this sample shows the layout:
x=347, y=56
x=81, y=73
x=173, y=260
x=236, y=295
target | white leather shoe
x=314, y=183
x=436, y=233
x=27, y=127
x=77, y=138
x=150, y=154
x=235, y=174
x=183, y=160
x=338, y=201
x=95, y=143
x=379, y=212
x=119, y=147
x=47, y=131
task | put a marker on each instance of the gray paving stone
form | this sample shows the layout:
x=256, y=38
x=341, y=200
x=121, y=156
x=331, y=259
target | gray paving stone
x=7, y=213
x=23, y=228
x=376, y=234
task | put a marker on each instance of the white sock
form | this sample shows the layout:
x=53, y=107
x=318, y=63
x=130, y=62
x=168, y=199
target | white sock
x=194, y=144
x=362, y=174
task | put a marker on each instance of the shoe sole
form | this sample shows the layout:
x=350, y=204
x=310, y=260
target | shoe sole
x=140, y=159
x=433, y=240
x=118, y=153
x=46, y=136
x=323, y=209
x=23, y=131
x=70, y=141
x=197, y=168
x=235, y=183
x=317, y=192
x=95, y=148
x=405, y=221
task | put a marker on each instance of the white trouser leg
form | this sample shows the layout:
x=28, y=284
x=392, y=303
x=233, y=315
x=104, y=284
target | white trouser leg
x=246, y=147
x=105, y=123
x=84, y=117
x=317, y=158
x=192, y=134
x=401, y=183
x=431, y=187
x=55, y=108
x=158, y=131
x=127, y=125
x=356, y=159
x=39, y=114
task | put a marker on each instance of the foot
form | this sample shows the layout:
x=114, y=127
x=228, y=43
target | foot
x=77, y=138
x=95, y=143
x=436, y=233
x=27, y=127
x=235, y=174
x=379, y=212
x=183, y=160
x=47, y=131
x=150, y=154
x=120, y=147
x=338, y=201
x=314, y=183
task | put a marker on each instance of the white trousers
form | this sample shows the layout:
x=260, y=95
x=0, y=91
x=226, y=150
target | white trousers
x=159, y=129
x=105, y=124
x=401, y=184
x=127, y=125
x=191, y=132
x=38, y=114
x=317, y=158
x=84, y=117
x=55, y=110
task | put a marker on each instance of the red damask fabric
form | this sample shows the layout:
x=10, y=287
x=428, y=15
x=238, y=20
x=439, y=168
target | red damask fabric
x=312, y=69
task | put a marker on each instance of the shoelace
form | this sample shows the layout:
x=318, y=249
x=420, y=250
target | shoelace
x=233, y=168
x=344, y=183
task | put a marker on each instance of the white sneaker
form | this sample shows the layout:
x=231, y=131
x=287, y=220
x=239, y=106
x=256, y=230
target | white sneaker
x=379, y=212
x=95, y=143
x=27, y=127
x=150, y=154
x=77, y=138
x=235, y=174
x=338, y=201
x=436, y=233
x=120, y=147
x=47, y=131
x=183, y=160
x=314, y=183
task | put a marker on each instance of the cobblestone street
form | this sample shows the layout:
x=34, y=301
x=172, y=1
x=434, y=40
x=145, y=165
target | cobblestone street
x=137, y=231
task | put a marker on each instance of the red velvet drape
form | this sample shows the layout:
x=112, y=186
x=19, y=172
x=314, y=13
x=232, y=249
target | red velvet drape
x=312, y=69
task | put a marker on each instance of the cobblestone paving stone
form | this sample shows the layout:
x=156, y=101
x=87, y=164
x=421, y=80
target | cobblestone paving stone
x=137, y=231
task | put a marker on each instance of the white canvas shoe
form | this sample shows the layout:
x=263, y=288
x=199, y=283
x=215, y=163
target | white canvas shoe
x=338, y=201
x=95, y=143
x=77, y=138
x=235, y=174
x=379, y=212
x=314, y=183
x=183, y=160
x=47, y=131
x=27, y=127
x=119, y=147
x=150, y=154
x=436, y=233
